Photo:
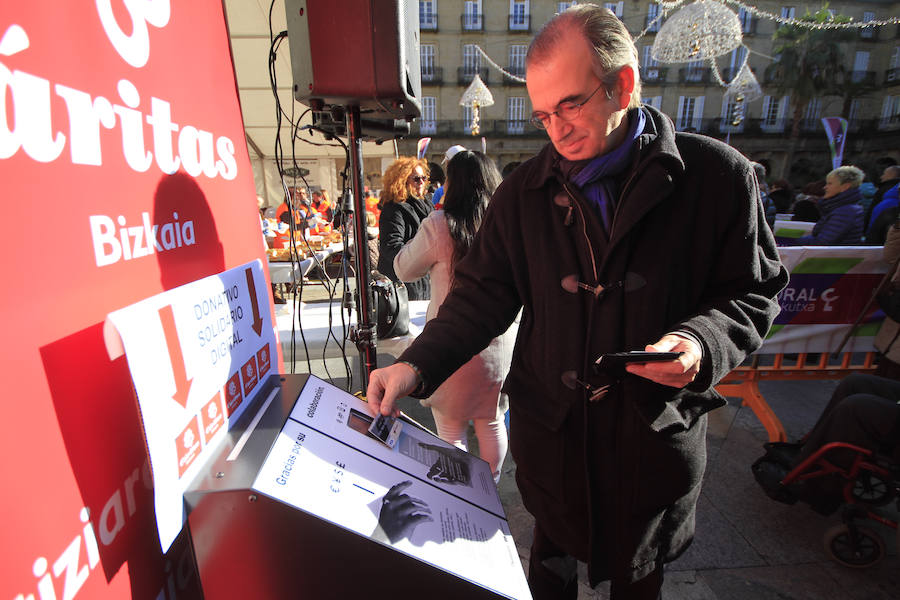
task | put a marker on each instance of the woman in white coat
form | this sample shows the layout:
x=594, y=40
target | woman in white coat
x=444, y=237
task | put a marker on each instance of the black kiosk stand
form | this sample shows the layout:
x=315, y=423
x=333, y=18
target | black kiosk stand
x=296, y=504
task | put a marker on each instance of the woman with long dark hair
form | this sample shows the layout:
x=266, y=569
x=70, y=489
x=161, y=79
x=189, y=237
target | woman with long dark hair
x=444, y=238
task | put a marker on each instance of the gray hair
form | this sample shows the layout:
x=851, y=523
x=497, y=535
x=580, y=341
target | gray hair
x=613, y=46
x=849, y=174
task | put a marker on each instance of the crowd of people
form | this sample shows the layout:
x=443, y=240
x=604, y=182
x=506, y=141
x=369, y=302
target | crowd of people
x=846, y=209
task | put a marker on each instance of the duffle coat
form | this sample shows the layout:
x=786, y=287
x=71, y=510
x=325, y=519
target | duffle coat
x=613, y=481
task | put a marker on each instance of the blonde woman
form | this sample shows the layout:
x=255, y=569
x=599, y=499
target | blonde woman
x=403, y=206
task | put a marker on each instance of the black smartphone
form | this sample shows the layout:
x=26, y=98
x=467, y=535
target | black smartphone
x=616, y=361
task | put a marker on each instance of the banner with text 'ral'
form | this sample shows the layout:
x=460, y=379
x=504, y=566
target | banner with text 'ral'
x=828, y=295
x=196, y=354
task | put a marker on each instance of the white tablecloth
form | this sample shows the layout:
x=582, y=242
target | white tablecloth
x=314, y=318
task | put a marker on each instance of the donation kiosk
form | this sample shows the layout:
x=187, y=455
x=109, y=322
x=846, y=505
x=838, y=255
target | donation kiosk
x=300, y=502
x=285, y=492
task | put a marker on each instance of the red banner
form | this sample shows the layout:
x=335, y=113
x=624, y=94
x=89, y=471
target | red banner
x=125, y=173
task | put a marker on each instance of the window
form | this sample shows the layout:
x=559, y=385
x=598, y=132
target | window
x=654, y=101
x=471, y=60
x=690, y=113
x=773, y=113
x=653, y=22
x=860, y=66
x=472, y=15
x=813, y=110
x=895, y=58
x=517, y=59
x=787, y=12
x=427, y=14
x=867, y=32
x=515, y=115
x=890, y=111
x=738, y=56
x=518, y=15
x=427, y=123
x=426, y=59
x=616, y=7
x=650, y=70
x=746, y=19
x=853, y=118
x=563, y=6
x=695, y=70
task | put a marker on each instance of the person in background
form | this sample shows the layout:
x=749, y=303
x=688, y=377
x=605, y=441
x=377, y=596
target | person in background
x=841, y=223
x=436, y=187
x=621, y=234
x=884, y=214
x=888, y=179
x=403, y=206
x=472, y=392
x=448, y=155
x=768, y=203
x=781, y=193
x=509, y=168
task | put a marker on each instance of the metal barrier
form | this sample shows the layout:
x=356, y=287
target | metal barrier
x=743, y=382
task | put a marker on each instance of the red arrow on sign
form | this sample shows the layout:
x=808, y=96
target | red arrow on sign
x=257, y=319
x=182, y=383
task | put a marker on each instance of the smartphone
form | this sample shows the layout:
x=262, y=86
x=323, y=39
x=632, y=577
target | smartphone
x=616, y=361
x=386, y=430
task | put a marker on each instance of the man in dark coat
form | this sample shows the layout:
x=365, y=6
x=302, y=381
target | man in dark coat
x=619, y=235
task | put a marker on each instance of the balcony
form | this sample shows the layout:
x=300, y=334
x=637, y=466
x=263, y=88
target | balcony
x=654, y=74
x=694, y=75
x=863, y=77
x=448, y=128
x=892, y=76
x=520, y=23
x=465, y=75
x=428, y=22
x=471, y=22
x=432, y=75
x=516, y=70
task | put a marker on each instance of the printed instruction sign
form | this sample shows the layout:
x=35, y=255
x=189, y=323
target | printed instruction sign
x=423, y=497
x=196, y=354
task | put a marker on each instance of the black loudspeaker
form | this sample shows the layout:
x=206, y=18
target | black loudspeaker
x=357, y=53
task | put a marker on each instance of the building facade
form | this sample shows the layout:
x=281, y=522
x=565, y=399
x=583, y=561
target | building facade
x=462, y=38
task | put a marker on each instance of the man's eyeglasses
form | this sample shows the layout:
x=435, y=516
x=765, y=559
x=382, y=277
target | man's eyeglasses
x=418, y=179
x=565, y=111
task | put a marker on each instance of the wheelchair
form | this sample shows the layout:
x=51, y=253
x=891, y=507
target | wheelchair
x=871, y=481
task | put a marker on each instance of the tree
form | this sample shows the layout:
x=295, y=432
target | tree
x=808, y=64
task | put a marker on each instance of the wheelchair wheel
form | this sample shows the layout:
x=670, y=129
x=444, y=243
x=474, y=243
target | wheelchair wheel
x=865, y=551
x=872, y=489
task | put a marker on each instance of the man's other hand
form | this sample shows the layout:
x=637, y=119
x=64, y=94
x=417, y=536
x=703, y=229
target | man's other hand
x=675, y=373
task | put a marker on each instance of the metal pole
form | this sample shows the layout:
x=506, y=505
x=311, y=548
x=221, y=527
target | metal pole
x=365, y=332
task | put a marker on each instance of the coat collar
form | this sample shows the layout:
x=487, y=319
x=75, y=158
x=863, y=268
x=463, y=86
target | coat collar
x=656, y=143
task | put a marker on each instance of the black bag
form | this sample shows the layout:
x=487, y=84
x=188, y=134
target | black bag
x=391, y=307
x=888, y=299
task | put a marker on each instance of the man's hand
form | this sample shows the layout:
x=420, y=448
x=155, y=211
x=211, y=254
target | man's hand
x=388, y=384
x=676, y=373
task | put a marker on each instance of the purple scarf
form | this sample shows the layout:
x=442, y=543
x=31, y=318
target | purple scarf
x=597, y=178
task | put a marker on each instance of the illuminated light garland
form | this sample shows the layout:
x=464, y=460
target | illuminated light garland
x=799, y=23
x=702, y=30
x=498, y=67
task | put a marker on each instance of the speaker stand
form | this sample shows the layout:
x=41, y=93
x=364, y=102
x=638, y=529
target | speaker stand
x=364, y=335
